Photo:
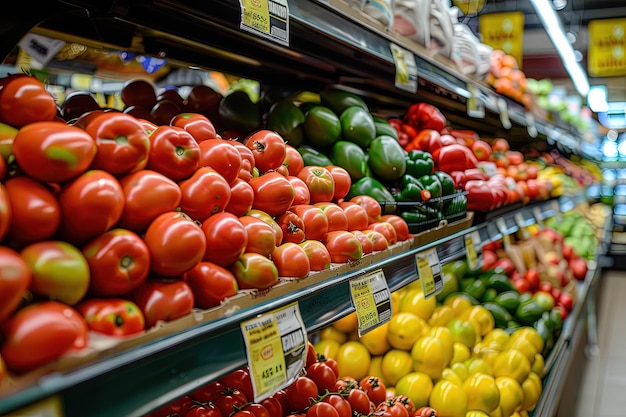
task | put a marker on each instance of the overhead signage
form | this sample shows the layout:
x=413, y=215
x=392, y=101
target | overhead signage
x=606, y=56
x=504, y=31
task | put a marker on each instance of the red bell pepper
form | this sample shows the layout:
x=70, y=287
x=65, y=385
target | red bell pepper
x=455, y=157
x=480, y=195
x=425, y=116
x=468, y=136
x=112, y=316
x=427, y=140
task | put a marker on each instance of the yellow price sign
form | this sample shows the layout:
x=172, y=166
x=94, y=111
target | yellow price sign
x=470, y=251
x=429, y=271
x=372, y=300
x=276, y=349
x=266, y=18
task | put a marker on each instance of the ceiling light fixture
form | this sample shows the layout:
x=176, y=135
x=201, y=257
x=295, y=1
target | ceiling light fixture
x=554, y=29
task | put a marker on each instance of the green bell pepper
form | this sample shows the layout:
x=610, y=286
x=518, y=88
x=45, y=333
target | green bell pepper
x=447, y=183
x=372, y=187
x=411, y=190
x=314, y=157
x=419, y=163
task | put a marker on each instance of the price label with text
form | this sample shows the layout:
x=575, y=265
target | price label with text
x=429, y=271
x=406, y=68
x=371, y=299
x=266, y=18
x=504, y=113
x=475, y=106
x=472, y=240
x=504, y=230
x=50, y=407
x=276, y=346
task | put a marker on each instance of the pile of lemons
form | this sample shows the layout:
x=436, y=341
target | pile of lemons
x=448, y=356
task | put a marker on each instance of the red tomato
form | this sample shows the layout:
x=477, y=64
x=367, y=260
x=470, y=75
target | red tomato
x=35, y=211
x=256, y=409
x=281, y=396
x=356, y=214
x=200, y=127
x=242, y=413
x=15, y=278
x=273, y=193
x=59, y=270
x=147, y=194
x=379, y=241
x=53, y=151
x=345, y=383
x=138, y=92
x=176, y=407
x=302, y=193
x=25, y=100
x=40, y=333
x=209, y=392
x=119, y=261
x=374, y=388
x=323, y=376
x=322, y=409
x=342, y=180
x=90, y=205
x=343, y=407
x=367, y=244
x=230, y=401
x=226, y=237
x=291, y=260
x=173, y=152
x=371, y=206
x=315, y=221
x=332, y=363
x=204, y=410
x=320, y=182
x=337, y=219
x=260, y=214
x=391, y=409
x=319, y=257
x=6, y=214
x=123, y=144
x=261, y=236
x=386, y=229
x=247, y=160
x=240, y=380
x=406, y=402
x=268, y=148
x=211, y=284
x=222, y=156
x=343, y=246
x=241, y=197
x=292, y=226
x=398, y=223
x=359, y=401
x=204, y=194
x=112, y=316
x=311, y=354
x=176, y=244
x=254, y=270
x=161, y=299
x=293, y=160
x=273, y=406
x=301, y=393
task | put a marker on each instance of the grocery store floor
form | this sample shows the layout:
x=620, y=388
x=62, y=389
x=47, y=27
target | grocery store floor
x=602, y=390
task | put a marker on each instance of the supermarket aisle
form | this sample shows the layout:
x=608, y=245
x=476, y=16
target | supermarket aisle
x=603, y=384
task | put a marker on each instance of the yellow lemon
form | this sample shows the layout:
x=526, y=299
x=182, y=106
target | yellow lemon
x=482, y=316
x=511, y=394
x=450, y=375
x=448, y=399
x=353, y=359
x=415, y=302
x=441, y=316
x=417, y=386
x=331, y=333
x=512, y=363
x=347, y=324
x=477, y=365
x=376, y=368
x=458, y=303
x=328, y=348
x=531, y=334
x=376, y=340
x=482, y=392
x=428, y=357
x=538, y=365
x=498, y=336
x=460, y=352
x=445, y=337
x=461, y=370
x=404, y=329
x=395, y=364
x=532, y=388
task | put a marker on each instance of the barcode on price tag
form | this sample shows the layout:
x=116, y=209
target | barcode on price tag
x=429, y=271
x=372, y=300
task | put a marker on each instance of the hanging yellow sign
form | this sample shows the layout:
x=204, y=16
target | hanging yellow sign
x=469, y=7
x=606, y=55
x=503, y=31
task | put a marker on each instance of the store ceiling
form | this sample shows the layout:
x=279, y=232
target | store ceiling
x=540, y=57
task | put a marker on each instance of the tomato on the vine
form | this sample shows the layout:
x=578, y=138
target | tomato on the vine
x=389, y=408
x=204, y=194
x=257, y=410
x=226, y=238
x=406, y=402
x=359, y=401
x=230, y=401
x=343, y=407
x=222, y=156
x=203, y=410
x=239, y=379
x=273, y=406
x=323, y=376
x=269, y=149
x=301, y=393
x=208, y=392
x=374, y=387
x=242, y=413
x=322, y=409
x=176, y=244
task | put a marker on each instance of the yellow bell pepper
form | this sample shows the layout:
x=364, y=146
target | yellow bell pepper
x=482, y=392
x=428, y=356
x=448, y=399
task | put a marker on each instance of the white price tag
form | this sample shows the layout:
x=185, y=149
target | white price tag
x=475, y=106
x=406, y=68
x=372, y=300
x=429, y=272
x=50, y=407
x=276, y=346
x=504, y=113
x=266, y=18
x=41, y=48
x=504, y=230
